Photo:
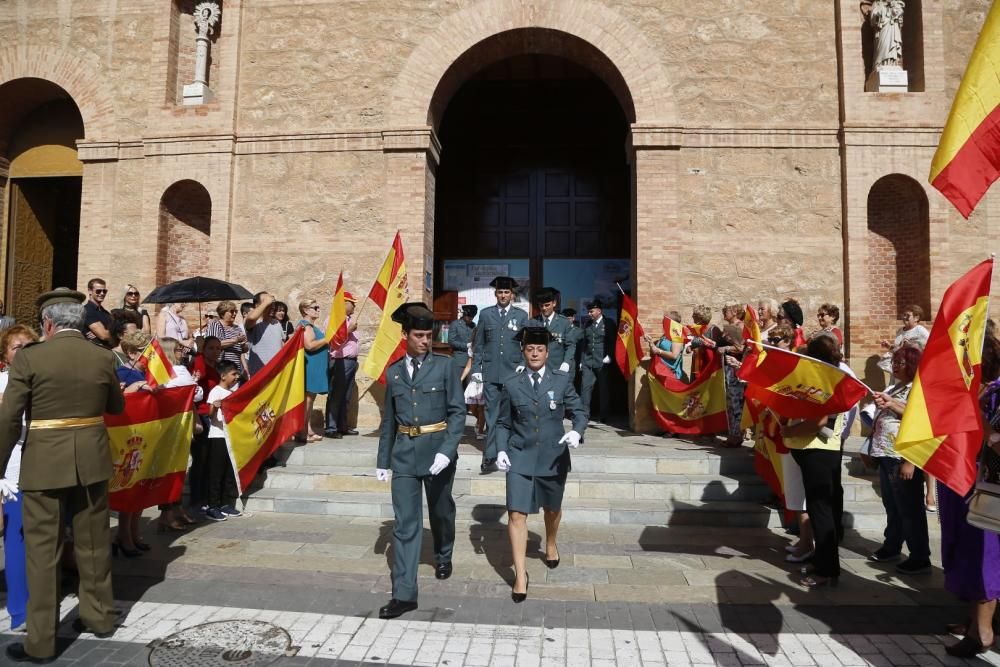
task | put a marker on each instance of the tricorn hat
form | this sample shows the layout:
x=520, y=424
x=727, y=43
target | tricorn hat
x=595, y=303
x=545, y=295
x=503, y=282
x=569, y=312
x=470, y=309
x=533, y=336
x=414, y=315
x=59, y=295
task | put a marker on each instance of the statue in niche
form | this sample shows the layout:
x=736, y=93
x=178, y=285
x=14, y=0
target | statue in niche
x=886, y=20
x=206, y=18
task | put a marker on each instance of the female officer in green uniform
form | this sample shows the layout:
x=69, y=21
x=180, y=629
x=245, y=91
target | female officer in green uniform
x=533, y=448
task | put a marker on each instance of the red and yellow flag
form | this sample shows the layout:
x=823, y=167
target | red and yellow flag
x=389, y=292
x=154, y=361
x=628, y=347
x=698, y=408
x=942, y=429
x=675, y=331
x=752, y=336
x=336, y=330
x=800, y=387
x=267, y=410
x=150, y=442
x=967, y=161
x=767, y=461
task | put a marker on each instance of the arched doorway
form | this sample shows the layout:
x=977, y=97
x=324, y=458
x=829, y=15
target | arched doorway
x=184, y=232
x=41, y=231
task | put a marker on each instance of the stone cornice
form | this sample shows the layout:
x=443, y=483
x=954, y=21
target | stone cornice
x=919, y=137
x=651, y=137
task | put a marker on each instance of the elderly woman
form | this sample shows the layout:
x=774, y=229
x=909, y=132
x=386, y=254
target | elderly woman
x=791, y=314
x=128, y=541
x=730, y=345
x=317, y=354
x=767, y=312
x=171, y=324
x=703, y=336
x=827, y=316
x=231, y=335
x=173, y=516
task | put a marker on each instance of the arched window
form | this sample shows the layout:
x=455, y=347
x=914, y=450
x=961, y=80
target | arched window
x=185, y=231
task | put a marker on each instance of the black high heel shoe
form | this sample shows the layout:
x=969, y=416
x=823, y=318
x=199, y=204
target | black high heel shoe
x=551, y=563
x=518, y=598
x=117, y=546
x=142, y=546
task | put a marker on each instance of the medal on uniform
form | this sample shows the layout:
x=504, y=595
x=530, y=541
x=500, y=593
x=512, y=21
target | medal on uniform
x=552, y=400
x=512, y=325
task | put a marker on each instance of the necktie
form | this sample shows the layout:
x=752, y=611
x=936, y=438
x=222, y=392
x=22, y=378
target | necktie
x=536, y=380
x=416, y=367
x=503, y=313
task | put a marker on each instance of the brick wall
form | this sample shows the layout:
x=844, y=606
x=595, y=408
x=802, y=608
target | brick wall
x=184, y=235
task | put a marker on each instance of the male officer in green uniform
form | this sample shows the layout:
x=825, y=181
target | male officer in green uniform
x=495, y=354
x=562, y=347
x=62, y=387
x=460, y=336
x=598, y=349
x=423, y=418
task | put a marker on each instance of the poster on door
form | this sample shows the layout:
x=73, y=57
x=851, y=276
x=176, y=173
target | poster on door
x=471, y=278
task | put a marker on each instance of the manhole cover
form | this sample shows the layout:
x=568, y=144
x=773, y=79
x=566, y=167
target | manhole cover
x=239, y=642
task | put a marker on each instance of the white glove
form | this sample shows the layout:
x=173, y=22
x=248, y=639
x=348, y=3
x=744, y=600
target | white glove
x=440, y=463
x=477, y=377
x=8, y=489
x=606, y=360
x=564, y=367
x=503, y=462
x=519, y=369
x=572, y=438
x=381, y=474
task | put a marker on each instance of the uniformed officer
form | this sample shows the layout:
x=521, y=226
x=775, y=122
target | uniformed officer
x=460, y=336
x=495, y=353
x=562, y=348
x=423, y=419
x=532, y=448
x=575, y=334
x=63, y=387
x=598, y=349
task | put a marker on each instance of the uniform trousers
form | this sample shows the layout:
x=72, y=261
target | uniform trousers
x=491, y=394
x=588, y=378
x=821, y=471
x=45, y=515
x=340, y=375
x=408, y=527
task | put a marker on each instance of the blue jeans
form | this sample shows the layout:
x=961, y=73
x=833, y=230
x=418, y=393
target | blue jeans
x=15, y=568
x=906, y=518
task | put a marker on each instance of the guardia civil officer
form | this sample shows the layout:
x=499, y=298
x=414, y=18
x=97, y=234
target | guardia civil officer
x=423, y=419
x=460, y=337
x=598, y=349
x=63, y=386
x=533, y=448
x=562, y=348
x=495, y=353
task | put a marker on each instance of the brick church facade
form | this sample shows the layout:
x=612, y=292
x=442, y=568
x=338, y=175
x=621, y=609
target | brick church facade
x=720, y=151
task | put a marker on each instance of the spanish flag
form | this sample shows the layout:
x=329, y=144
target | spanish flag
x=698, y=408
x=266, y=411
x=150, y=442
x=389, y=292
x=942, y=429
x=675, y=331
x=967, y=160
x=800, y=387
x=336, y=331
x=767, y=462
x=158, y=368
x=628, y=348
x=753, y=338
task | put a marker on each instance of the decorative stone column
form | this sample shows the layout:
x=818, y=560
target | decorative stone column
x=206, y=17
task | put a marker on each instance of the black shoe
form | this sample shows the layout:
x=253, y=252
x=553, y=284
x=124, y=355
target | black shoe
x=442, y=571
x=518, y=598
x=911, y=566
x=79, y=628
x=884, y=556
x=335, y=435
x=487, y=466
x=349, y=431
x=17, y=653
x=396, y=608
x=552, y=564
x=117, y=547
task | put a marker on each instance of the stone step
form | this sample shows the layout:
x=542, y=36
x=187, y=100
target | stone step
x=579, y=485
x=491, y=510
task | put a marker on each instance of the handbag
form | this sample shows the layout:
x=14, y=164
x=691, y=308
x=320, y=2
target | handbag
x=984, y=504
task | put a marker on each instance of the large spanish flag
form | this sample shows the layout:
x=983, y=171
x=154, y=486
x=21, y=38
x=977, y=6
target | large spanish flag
x=158, y=368
x=967, y=160
x=799, y=387
x=628, y=348
x=767, y=461
x=336, y=330
x=698, y=408
x=389, y=292
x=150, y=442
x=942, y=429
x=267, y=410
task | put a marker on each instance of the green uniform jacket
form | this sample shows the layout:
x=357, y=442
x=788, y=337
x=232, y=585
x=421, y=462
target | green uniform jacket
x=530, y=424
x=563, y=344
x=459, y=337
x=495, y=353
x=599, y=342
x=66, y=376
x=436, y=396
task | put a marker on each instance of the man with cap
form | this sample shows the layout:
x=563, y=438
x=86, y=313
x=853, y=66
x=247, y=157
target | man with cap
x=460, y=337
x=532, y=447
x=495, y=353
x=423, y=419
x=562, y=347
x=599, y=336
x=342, y=368
x=63, y=387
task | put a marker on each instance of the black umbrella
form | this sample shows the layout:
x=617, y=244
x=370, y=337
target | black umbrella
x=198, y=290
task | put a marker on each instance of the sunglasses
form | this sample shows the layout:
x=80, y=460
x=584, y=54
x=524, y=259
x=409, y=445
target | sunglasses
x=100, y=291
x=130, y=293
x=314, y=307
x=775, y=341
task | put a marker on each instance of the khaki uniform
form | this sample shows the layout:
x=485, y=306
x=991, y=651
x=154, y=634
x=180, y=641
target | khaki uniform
x=63, y=387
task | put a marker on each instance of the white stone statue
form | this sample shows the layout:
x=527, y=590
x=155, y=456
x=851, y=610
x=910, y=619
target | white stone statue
x=206, y=17
x=886, y=19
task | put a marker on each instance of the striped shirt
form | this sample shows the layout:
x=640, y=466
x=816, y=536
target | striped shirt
x=222, y=332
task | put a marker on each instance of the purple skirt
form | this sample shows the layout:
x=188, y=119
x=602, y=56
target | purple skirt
x=970, y=556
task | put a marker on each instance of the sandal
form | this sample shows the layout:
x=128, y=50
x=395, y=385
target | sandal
x=315, y=437
x=968, y=647
x=173, y=526
x=814, y=581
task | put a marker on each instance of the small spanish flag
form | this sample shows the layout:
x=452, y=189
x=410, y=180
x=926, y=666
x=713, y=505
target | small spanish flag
x=676, y=332
x=158, y=368
x=800, y=387
x=751, y=334
x=336, y=331
x=150, y=442
x=628, y=348
x=266, y=411
x=942, y=431
x=389, y=292
x=698, y=408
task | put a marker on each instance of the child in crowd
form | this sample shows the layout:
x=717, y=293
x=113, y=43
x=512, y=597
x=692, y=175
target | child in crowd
x=221, y=486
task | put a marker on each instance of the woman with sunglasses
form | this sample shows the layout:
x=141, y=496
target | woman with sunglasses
x=131, y=302
x=316, y=344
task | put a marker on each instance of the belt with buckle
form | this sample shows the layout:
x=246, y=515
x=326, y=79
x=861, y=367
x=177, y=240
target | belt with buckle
x=69, y=422
x=414, y=431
